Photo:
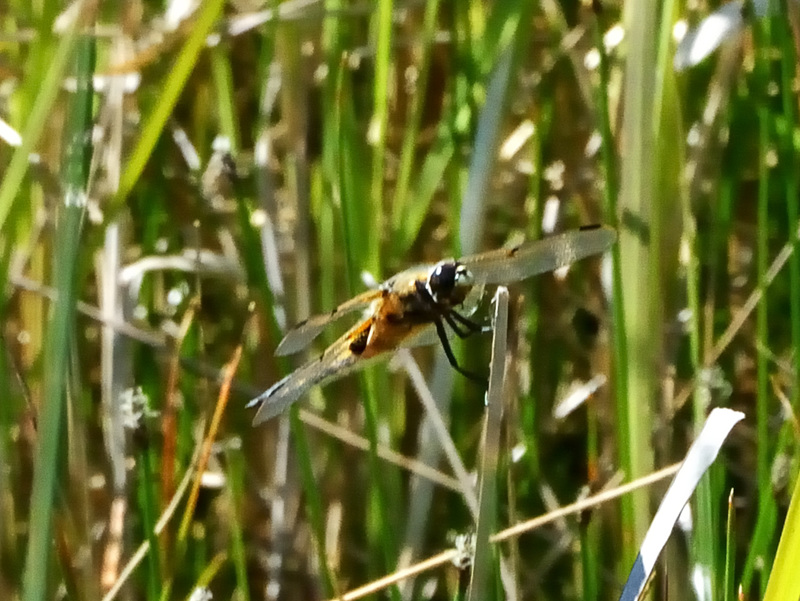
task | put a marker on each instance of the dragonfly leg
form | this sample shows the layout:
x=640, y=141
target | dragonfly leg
x=472, y=326
x=448, y=351
x=448, y=317
x=452, y=318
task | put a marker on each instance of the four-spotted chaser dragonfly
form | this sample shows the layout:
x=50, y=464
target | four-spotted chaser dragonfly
x=415, y=308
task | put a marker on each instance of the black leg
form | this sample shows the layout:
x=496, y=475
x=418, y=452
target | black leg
x=452, y=358
x=451, y=321
x=450, y=316
x=454, y=326
x=468, y=323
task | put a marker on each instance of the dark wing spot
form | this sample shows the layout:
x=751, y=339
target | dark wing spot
x=359, y=343
x=590, y=227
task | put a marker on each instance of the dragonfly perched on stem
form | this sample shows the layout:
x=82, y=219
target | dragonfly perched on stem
x=418, y=307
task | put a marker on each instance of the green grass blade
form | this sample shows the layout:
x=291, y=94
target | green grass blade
x=433, y=169
x=170, y=92
x=358, y=218
x=729, y=583
x=48, y=462
x=783, y=581
x=238, y=527
x=767, y=511
x=791, y=158
x=402, y=228
x=314, y=501
x=639, y=262
x=377, y=128
x=60, y=59
x=223, y=78
x=148, y=505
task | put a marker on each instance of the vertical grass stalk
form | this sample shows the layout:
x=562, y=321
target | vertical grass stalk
x=487, y=505
x=48, y=462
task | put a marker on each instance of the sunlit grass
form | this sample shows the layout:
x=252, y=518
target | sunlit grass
x=364, y=139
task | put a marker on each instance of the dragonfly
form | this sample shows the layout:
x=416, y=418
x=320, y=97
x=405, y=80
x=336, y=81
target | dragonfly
x=420, y=306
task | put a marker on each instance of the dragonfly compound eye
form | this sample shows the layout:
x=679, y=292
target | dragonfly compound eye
x=442, y=280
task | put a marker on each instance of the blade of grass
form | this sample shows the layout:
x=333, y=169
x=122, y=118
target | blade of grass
x=590, y=559
x=783, y=581
x=238, y=550
x=170, y=92
x=294, y=97
x=208, y=441
x=313, y=503
x=619, y=338
x=473, y=204
x=759, y=556
x=225, y=105
x=487, y=508
x=473, y=207
x=415, y=467
x=729, y=584
x=529, y=411
x=351, y=185
x=466, y=78
x=704, y=541
x=430, y=177
x=401, y=227
x=66, y=258
x=357, y=219
x=791, y=158
x=382, y=35
x=41, y=111
x=767, y=509
x=148, y=505
x=639, y=263
x=255, y=267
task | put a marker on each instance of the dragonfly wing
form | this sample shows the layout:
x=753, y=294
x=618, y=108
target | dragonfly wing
x=336, y=362
x=539, y=256
x=301, y=335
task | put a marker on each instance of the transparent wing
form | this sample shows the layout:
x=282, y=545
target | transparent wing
x=337, y=361
x=530, y=258
x=301, y=335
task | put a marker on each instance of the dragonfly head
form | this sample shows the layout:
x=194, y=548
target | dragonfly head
x=448, y=280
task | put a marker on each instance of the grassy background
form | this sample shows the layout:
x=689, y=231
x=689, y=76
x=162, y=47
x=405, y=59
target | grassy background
x=235, y=170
